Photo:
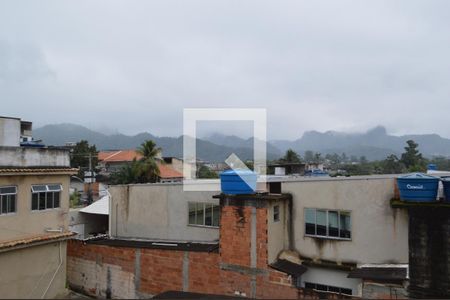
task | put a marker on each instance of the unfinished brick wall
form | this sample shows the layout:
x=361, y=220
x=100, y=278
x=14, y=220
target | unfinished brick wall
x=239, y=267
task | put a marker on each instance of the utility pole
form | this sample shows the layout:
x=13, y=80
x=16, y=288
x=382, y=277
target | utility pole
x=90, y=200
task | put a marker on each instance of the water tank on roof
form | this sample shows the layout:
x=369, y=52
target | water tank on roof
x=238, y=182
x=418, y=187
x=432, y=167
x=446, y=185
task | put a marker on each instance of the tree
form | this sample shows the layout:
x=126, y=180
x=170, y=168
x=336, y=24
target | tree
x=318, y=158
x=309, y=156
x=149, y=167
x=80, y=155
x=140, y=171
x=392, y=165
x=129, y=173
x=205, y=172
x=412, y=158
x=290, y=157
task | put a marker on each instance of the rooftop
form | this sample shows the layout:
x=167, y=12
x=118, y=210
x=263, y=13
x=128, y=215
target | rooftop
x=119, y=156
x=24, y=157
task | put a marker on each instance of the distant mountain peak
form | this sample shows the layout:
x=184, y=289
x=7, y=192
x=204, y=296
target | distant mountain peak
x=378, y=130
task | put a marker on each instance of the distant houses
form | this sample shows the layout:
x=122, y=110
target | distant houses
x=170, y=168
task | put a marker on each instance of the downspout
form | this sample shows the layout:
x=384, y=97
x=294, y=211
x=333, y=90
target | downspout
x=290, y=225
x=109, y=213
x=56, y=272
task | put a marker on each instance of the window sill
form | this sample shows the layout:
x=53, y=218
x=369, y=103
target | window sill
x=203, y=226
x=8, y=214
x=328, y=238
x=44, y=210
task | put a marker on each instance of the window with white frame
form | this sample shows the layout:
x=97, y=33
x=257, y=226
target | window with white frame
x=204, y=214
x=327, y=223
x=45, y=196
x=8, y=198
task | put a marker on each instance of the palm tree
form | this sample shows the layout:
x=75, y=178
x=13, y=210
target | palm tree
x=149, y=166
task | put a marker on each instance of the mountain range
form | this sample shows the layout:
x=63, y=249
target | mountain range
x=374, y=144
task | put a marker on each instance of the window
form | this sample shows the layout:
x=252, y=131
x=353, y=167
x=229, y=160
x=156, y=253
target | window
x=8, y=196
x=204, y=214
x=46, y=196
x=327, y=288
x=327, y=223
x=276, y=213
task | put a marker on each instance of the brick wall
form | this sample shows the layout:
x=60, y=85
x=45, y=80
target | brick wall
x=239, y=267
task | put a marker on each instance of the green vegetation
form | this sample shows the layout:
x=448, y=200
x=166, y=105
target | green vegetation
x=82, y=156
x=139, y=171
x=411, y=161
x=204, y=172
x=74, y=200
x=290, y=157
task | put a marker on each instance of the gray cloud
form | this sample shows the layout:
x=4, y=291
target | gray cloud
x=134, y=65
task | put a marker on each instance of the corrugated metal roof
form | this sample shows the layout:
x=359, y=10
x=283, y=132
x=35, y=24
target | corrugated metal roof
x=288, y=267
x=99, y=207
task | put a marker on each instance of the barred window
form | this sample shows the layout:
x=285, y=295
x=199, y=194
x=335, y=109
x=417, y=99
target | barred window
x=45, y=196
x=8, y=198
x=328, y=288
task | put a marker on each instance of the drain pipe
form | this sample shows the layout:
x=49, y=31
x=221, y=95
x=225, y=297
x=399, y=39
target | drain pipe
x=56, y=272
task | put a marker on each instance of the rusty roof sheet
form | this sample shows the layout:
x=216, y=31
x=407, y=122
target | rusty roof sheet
x=5, y=245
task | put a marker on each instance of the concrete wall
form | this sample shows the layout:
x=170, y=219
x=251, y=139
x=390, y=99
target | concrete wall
x=28, y=272
x=25, y=222
x=9, y=132
x=89, y=223
x=157, y=211
x=277, y=232
x=33, y=157
x=379, y=232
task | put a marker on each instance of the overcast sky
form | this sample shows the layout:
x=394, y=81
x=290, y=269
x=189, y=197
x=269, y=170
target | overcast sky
x=133, y=66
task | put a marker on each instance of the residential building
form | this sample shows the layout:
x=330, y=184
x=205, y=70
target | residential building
x=322, y=235
x=170, y=168
x=34, y=192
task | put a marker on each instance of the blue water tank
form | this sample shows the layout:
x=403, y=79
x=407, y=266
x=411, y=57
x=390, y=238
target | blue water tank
x=238, y=182
x=432, y=167
x=446, y=184
x=418, y=187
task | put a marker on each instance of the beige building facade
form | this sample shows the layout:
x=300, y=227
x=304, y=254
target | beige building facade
x=34, y=206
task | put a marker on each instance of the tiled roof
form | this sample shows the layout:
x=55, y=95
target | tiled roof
x=6, y=245
x=55, y=170
x=118, y=156
x=167, y=172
